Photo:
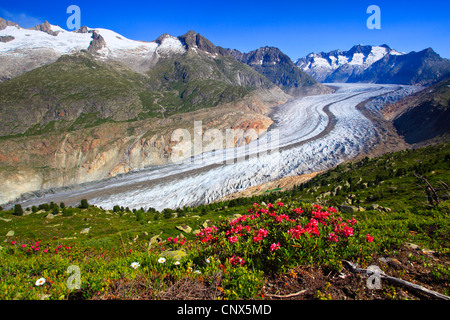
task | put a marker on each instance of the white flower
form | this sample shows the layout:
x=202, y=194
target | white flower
x=208, y=260
x=197, y=271
x=40, y=282
x=162, y=260
x=177, y=263
x=135, y=265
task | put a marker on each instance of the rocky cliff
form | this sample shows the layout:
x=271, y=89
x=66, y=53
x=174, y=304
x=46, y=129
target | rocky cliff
x=423, y=118
x=36, y=164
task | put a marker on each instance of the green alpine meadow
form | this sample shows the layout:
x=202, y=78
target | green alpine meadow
x=391, y=211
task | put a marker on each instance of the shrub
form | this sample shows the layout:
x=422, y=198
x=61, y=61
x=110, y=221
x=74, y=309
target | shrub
x=67, y=212
x=241, y=283
x=44, y=206
x=139, y=215
x=18, y=211
x=84, y=204
x=167, y=213
x=273, y=237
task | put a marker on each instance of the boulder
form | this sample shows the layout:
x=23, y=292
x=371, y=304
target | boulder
x=412, y=246
x=207, y=223
x=184, y=228
x=154, y=240
x=348, y=209
x=174, y=254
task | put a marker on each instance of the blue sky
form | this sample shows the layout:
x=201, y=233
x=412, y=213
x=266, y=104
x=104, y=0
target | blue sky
x=296, y=27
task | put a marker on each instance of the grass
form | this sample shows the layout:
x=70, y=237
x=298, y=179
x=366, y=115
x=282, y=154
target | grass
x=210, y=262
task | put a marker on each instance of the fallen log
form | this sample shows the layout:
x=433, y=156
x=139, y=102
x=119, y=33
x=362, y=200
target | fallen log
x=285, y=296
x=409, y=285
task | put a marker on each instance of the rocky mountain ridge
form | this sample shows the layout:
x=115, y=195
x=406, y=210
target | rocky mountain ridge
x=375, y=64
x=279, y=68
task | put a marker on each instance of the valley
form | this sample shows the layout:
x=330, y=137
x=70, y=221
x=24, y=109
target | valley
x=213, y=166
x=313, y=133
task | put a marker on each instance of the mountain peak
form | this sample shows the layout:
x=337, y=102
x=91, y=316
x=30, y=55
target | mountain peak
x=97, y=43
x=189, y=38
x=83, y=29
x=280, y=70
x=360, y=48
x=430, y=50
x=162, y=37
x=6, y=23
x=259, y=56
x=45, y=27
x=193, y=40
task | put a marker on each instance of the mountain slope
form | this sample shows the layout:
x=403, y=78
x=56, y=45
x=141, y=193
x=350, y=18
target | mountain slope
x=184, y=78
x=111, y=105
x=375, y=64
x=67, y=89
x=202, y=76
x=425, y=67
x=46, y=43
x=279, y=69
x=423, y=117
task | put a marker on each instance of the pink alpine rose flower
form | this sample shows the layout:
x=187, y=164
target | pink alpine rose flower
x=274, y=246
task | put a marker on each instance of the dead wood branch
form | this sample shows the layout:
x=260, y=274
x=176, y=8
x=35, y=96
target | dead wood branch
x=432, y=194
x=285, y=296
x=409, y=285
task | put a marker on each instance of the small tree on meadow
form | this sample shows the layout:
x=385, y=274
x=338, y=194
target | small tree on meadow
x=18, y=211
x=84, y=204
x=167, y=213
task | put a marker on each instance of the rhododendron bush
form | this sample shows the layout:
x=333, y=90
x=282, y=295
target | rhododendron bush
x=276, y=236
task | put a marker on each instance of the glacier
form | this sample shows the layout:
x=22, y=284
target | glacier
x=309, y=134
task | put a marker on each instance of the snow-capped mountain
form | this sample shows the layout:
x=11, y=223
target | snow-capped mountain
x=376, y=64
x=340, y=65
x=278, y=68
x=22, y=50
